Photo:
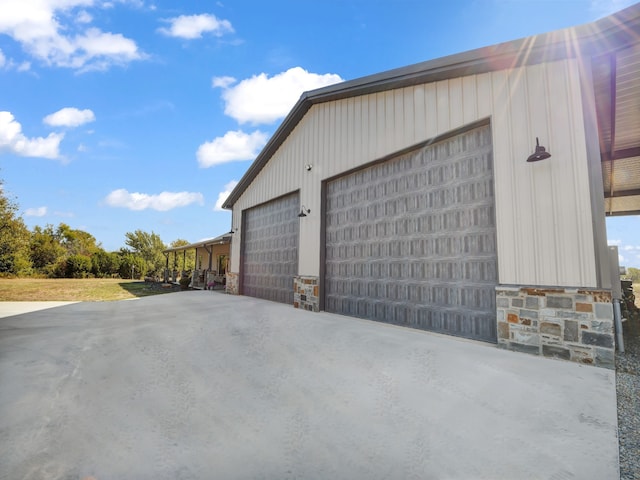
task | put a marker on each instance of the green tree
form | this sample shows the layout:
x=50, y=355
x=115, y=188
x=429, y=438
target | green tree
x=78, y=266
x=132, y=265
x=76, y=242
x=45, y=250
x=105, y=264
x=633, y=274
x=188, y=257
x=149, y=247
x=14, y=238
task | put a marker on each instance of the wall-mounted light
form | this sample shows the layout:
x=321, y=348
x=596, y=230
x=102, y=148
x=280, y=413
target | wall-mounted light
x=304, y=211
x=540, y=153
x=233, y=230
x=308, y=167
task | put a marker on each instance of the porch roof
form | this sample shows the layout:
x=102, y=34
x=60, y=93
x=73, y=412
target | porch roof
x=220, y=240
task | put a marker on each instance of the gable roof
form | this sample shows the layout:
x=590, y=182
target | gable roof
x=603, y=36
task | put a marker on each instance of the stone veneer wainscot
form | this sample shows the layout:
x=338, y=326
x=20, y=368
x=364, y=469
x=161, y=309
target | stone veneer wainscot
x=572, y=324
x=232, y=283
x=305, y=293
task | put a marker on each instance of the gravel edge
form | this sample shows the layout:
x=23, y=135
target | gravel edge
x=628, y=400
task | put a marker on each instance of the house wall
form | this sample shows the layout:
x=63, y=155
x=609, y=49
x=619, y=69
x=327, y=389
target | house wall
x=222, y=249
x=543, y=210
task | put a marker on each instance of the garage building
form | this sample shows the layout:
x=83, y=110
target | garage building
x=421, y=196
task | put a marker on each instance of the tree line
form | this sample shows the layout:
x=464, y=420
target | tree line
x=64, y=252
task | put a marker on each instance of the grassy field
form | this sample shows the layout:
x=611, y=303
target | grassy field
x=84, y=290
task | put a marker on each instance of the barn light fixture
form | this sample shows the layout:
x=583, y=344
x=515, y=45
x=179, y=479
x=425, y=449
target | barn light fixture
x=540, y=153
x=308, y=167
x=304, y=211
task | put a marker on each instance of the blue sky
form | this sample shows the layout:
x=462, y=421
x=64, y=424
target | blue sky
x=120, y=115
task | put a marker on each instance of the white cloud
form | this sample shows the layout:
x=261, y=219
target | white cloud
x=69, y=117
x=58, y=34
x=162, y=202
x=84, y=17
x=264, y=99
x=222, y=82
x=193, y=26
x=234, y=146
x=12, y=140
x=222, y=196
x=9, y=64
x=36, y=212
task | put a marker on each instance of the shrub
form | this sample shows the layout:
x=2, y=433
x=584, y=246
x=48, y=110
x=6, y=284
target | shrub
x=78, y=266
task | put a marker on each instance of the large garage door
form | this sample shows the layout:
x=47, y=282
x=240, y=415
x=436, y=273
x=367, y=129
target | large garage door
x=270, y=249
x=412, y=241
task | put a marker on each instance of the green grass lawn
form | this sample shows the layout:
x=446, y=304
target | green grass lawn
x=84, y=290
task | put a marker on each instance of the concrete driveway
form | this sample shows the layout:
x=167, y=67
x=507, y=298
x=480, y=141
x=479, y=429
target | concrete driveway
x=203, y=385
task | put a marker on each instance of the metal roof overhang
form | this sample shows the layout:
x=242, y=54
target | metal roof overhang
x=611, y=44
x=616, y=79
x=221, y=240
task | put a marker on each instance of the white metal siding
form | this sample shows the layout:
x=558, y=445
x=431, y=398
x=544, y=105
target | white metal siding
x=544, y=224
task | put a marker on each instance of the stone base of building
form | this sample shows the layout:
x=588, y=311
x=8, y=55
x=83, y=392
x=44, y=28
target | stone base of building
x=305, y=293
x=571, y=324
x=232, y=283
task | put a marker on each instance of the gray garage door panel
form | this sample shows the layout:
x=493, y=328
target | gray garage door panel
x=412, y=241
x=270, y=249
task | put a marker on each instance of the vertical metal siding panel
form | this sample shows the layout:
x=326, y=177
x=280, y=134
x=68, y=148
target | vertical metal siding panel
x=419, y=114
x=350, y=140
x=456, y=115
x=431, y=110
x=589, y=220
x=340, y=134
x=522, y=184
x=330, y=137
x=347, y=158
x=575, y=229
x=356, y=139
x=408, y=108
x=324, y=140
x=484, y=97
x=506, y=229
x=309, y=197
x=544, y=208
x=364, y=128
x=398, y=120
x=389, y=123
x=373, y=118
x=337, y=131
x=381, y=122
x=442, y=92
x=469, y=99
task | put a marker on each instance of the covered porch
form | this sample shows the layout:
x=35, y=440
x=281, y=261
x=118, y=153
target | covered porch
x=207, y=269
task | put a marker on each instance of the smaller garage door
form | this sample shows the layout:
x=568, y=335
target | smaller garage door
x=270, y=249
